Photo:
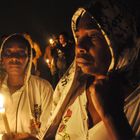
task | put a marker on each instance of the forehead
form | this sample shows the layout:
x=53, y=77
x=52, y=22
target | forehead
x=15, y=46
x=61, y=36
x=83, y=32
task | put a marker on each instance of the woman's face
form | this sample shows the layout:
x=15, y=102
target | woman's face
x=92, y=52
x=15, y=59
x=62, y=39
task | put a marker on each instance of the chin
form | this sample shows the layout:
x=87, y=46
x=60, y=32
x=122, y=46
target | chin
x=15, y=72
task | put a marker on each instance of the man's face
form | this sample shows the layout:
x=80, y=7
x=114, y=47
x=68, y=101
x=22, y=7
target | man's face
x=92, y=52
x=15, y=59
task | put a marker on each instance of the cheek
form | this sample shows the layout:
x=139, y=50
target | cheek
x=104, y=60
x=24, y=61
x=4, y=62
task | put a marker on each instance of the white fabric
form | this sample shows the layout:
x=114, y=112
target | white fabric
x=20, y=105
x=74, y=122
x=75, y=125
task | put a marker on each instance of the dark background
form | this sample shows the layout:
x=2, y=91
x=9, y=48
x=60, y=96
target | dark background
x=41, y=18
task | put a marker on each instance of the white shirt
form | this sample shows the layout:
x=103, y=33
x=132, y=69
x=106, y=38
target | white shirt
x=20, y=107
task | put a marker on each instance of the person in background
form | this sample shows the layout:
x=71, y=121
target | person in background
x=34, y=68
x=36, y=51
x=99, y=97
x=28, y=98
x=66, y=53
x=50, y=58
x=37, y=55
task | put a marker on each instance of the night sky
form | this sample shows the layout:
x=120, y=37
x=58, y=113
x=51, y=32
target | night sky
x=41, y=18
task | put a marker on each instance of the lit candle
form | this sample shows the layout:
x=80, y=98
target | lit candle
x=47, y=61
x=4, y=117
x=51, y=41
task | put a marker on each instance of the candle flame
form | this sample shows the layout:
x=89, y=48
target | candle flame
x=2, y=109
x=47, y=60
x=51, y=41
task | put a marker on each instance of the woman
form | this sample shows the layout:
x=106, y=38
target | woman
x=98, y=98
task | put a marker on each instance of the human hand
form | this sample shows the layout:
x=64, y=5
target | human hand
x=106, y=95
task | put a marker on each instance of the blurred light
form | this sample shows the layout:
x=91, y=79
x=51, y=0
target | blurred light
x=51, y=41
x=47, y=61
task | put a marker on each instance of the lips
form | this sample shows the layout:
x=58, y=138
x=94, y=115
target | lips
x=84, y=59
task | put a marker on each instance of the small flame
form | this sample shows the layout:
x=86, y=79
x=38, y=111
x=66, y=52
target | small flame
x=2, y=109
x=51, y=41
x=47, y=60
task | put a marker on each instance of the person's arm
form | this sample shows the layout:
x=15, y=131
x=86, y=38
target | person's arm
x=109, y=110
x=118, y=127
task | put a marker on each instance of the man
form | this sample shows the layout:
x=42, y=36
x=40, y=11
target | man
x=98, y=98
x=27, y=97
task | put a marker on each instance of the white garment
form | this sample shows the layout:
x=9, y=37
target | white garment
x=75, y=127
x=74, y=122
x=34, y=98
x=20, y=105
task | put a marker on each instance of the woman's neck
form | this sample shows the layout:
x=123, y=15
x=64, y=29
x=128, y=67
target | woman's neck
x=15, y=82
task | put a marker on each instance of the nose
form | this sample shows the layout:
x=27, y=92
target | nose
x=82, y=45
x=80, y=49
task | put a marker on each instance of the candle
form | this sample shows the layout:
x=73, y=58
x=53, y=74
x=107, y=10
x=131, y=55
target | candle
x=4, y=117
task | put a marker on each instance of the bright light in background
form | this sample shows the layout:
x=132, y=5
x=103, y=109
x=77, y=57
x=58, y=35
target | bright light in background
x=51, y=41
x=48, y=63
x=47, y=60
